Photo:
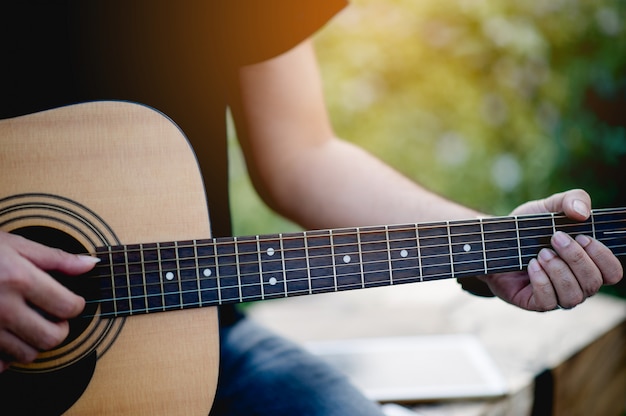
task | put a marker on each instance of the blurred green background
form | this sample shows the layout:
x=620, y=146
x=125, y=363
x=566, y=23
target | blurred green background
x=488, y=102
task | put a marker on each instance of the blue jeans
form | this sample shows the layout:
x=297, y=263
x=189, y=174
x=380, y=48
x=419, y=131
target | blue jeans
x=263, y=374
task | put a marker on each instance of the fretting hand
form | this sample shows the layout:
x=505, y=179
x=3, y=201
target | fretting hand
x=566, y=274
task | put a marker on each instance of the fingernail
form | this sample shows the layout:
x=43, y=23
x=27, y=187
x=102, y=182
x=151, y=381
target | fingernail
x=89, y=259
x=561, y=239
x=533, y=265
x=581, y=208
x=583, y=240
x=546, y=254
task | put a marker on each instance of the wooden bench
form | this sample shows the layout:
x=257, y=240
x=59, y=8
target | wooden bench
x=566, y=362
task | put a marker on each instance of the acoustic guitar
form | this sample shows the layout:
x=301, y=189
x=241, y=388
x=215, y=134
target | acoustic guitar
x=120, y=181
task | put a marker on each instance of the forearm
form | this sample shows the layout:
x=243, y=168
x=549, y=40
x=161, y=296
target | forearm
x=337, y=184
x=298, y=166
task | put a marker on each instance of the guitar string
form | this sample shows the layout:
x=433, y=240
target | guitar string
x=313, y=248
x=364, y=231
x=198, y=290
x=200, y=293
x=213, y=301
x=424, y=228
x=364, y=254
x=470, y=256
x=412, y=279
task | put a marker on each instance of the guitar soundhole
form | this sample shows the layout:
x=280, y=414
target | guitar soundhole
x=82, y=285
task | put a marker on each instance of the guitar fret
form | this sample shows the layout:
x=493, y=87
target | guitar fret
x=187, y=272
x=434, y=243
x=197, y=272
x=209, y=292
x=169, y=276
x=113, y=297
x=519, y=245
x=238, y=264
x=467, y=258
x=248, y=269
x=501, y=254
x=282, y=261
x=154, y=291
x=389, y=255
x=360, y=251
x=482, y=237
x=135, y=282
x=143, y=276
x=271, y=268
x=308, y=262
x=347, y=269
x=160, y=265
x=450, y=249
x=375, y=257
x=217, y=274
x=130, y=303
x=230, y=283
x=404, y=254
x=419, y=254
x=295, y=264
x=178, y=273
x=120, y=283
x=593, y=225
x=332, y=256
x=258, y=249
x=534, y=233
x=321, y=267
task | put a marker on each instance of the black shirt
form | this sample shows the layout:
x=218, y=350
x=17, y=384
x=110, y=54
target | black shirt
x=176, y=56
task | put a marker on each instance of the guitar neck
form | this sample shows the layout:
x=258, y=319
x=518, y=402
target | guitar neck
x=143, y=278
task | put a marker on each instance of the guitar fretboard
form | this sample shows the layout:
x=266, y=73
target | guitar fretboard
x=145, y=278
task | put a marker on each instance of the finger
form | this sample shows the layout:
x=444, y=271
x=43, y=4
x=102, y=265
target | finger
x=576, y=204
x=48, y=258
x=29, y=326
x=15, y=349
x=543, y=297
x=52, y=297
x=29, y=283
x=581, y=265
x=610, y=267
x=568, y=291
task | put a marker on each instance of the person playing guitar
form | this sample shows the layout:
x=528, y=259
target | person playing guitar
x=191, y=60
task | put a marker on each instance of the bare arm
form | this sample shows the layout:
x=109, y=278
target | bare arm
x=307, y=174
x=302, y=170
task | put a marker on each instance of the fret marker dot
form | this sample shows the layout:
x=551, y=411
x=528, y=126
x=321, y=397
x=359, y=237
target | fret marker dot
x=169, y=276
x=273, y=281
x=404, y=253
x=270, y=251
x=206, y=272
x=467, y=248
x=346, y=259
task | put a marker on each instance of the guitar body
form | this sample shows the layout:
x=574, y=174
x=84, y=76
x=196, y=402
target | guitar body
x=97, y=174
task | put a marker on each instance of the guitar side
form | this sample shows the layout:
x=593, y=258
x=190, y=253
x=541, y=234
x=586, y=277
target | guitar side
x=123, y=173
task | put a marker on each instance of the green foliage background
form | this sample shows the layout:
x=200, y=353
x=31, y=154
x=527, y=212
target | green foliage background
x=488, y=102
